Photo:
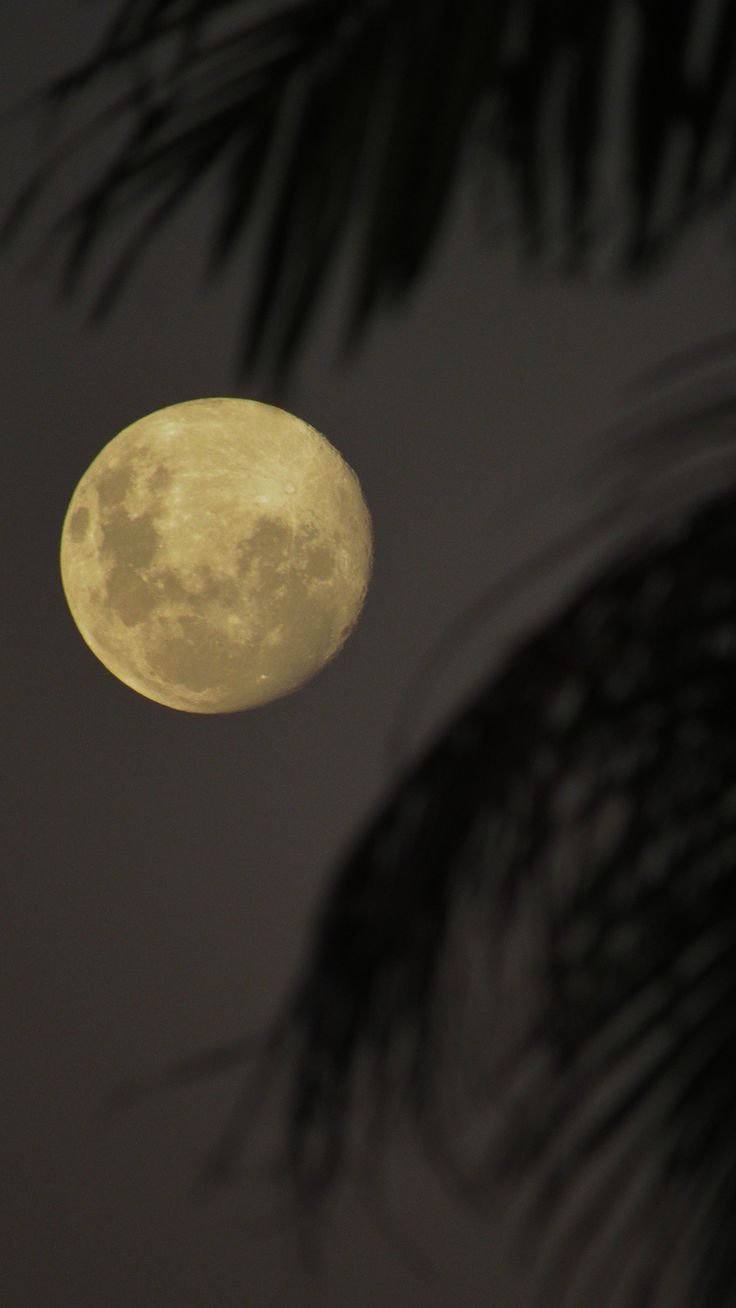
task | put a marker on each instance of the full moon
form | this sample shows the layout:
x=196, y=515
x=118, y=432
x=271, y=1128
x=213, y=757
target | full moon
x=216, y=554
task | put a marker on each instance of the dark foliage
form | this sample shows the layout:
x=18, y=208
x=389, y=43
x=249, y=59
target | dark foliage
x=334, y=123
x=530, y=952
x=574, y=836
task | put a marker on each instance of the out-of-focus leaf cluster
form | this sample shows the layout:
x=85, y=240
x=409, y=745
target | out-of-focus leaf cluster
x=529, y=951
x=349, y=122
x=537, y=934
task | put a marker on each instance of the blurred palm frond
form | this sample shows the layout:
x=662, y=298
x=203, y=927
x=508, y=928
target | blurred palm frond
x=336, y=124
x=536, y=939
x=530, y=951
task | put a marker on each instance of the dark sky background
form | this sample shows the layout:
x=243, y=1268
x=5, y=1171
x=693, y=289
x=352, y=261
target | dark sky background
x=161, y=868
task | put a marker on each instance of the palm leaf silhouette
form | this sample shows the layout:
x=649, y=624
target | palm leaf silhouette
x=530, y=950
x=348, y=124
x=572, y=834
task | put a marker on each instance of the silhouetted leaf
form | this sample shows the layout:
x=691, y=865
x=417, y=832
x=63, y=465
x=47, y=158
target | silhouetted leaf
x=362, y=118
x=529, y=951
x=581, y=812
x=583, y=117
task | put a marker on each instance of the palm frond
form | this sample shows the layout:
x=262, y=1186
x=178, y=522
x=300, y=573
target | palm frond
x=581, y=813
x=529, y=951
x=351, y=122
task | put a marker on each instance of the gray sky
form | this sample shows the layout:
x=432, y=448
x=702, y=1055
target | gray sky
x=162, y=867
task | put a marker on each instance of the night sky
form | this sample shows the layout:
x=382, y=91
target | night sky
x=161, y=868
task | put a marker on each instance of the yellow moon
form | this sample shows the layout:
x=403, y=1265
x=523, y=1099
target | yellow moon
x=216, y=554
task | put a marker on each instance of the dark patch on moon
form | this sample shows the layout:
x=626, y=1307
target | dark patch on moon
x=320, y=563
x=268, y=546
x=78, y=524
x=168, y=585
x=209, y=589
x=131, y=541
x=293, y=607
x=222, y=590
x=113, y=485
x=160, y=479
x=197, y=657
x=129, y=596
x=132, y=544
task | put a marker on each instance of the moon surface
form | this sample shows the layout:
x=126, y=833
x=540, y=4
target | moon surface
x=216, y=554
